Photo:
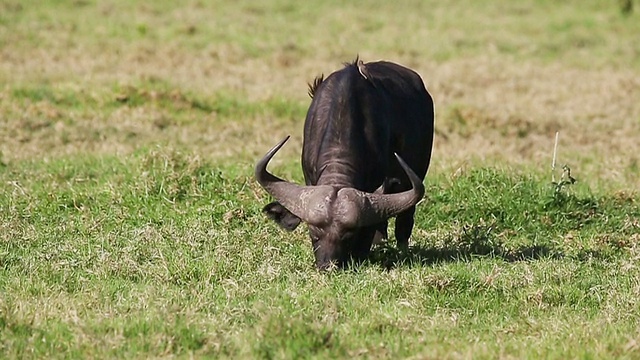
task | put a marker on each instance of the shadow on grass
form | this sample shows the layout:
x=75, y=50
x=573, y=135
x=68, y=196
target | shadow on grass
x=389, y=257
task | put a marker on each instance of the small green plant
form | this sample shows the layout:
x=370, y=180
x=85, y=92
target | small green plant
x=565, y=178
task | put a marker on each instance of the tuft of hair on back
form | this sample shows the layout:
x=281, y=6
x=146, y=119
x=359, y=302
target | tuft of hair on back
x=313, y=86
x=354, y=62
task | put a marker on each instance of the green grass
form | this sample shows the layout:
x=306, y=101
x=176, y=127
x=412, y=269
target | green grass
x=163, y=253
x=131, y=226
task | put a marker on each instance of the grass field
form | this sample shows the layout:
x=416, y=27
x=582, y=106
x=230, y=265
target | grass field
x=130, y=224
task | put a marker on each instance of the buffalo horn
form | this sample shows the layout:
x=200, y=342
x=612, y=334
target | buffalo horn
x=375, y=207
x=309, y=203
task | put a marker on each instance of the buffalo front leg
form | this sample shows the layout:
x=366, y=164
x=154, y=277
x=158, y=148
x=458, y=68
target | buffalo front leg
x=381, y=233
x=361, y=247
x=404, y=226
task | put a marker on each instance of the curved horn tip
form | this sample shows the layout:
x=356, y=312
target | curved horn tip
x=399, y=159
x=261, y=166
x=286, y=138
x=415, y=180
x=278, y=145
x=404, y=165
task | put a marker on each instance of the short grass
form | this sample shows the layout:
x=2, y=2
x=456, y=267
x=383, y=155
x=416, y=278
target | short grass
x=130, y=223
x=162, y=253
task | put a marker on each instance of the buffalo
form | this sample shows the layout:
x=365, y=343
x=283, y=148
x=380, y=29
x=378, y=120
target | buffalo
x=368, y=136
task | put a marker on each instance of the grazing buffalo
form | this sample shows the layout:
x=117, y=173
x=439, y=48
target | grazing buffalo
x=359, y=118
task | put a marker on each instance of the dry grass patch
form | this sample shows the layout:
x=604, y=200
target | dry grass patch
x=92, y=78
x=487, y=110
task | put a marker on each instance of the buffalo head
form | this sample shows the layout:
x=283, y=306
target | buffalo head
x=342, y=221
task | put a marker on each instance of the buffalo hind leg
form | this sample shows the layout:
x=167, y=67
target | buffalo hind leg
x=404, y=221
x=404, y=226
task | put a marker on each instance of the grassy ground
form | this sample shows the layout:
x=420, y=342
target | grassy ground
x=130, y=226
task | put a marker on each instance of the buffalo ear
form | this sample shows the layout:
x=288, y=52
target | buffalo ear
x=389, y=186
x=392, y=185
x=281, y=215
